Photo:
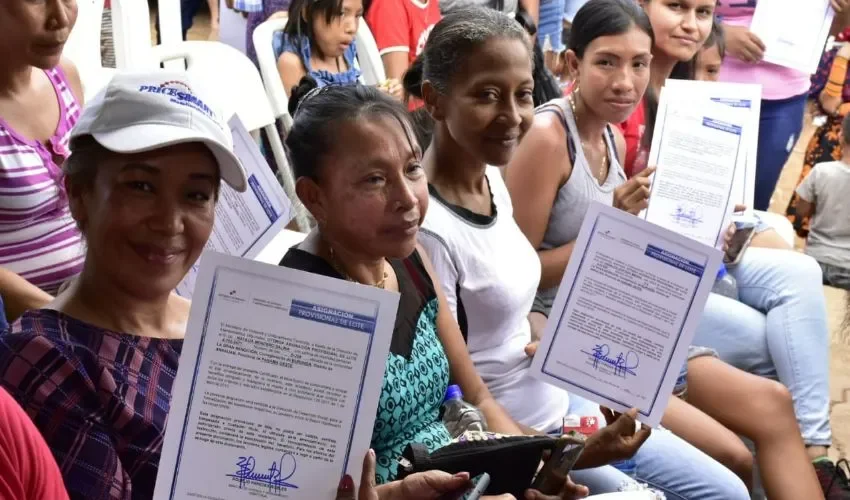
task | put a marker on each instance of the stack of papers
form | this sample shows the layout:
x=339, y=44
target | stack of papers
x=704, y=146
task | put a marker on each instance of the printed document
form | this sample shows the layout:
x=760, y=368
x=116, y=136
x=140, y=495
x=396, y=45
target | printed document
x=794, y=32
x=625, y=313
x=743, y=96
x=245, y=223
x=278, y=387
x=698, y=151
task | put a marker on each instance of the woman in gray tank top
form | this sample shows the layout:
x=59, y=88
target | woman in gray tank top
x=568, y=160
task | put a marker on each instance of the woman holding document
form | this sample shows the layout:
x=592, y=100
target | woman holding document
x=94, y=369
x=784, y=91
x=778, y=327
x=551, y=193
x=489, y=272
x=361, y=177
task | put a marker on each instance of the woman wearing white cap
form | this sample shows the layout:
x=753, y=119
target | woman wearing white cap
x=94, y=368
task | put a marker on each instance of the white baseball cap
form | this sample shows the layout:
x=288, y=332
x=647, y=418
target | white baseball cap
x=139, y=112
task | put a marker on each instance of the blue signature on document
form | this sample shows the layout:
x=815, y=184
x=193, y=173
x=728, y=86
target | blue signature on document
x=274, y=477
x=687, y=217
x=623, y=364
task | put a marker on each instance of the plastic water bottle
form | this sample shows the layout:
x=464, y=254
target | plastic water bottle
x=725, y=284
x=460, y=416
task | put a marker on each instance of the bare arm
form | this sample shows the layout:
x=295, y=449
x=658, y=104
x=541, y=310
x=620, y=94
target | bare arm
x=214, y=15
x=537, y=171
x=462, y=369
x=74, y=80
x=291, y=71
x=395, y=64
x=805, y=208
x=20, y=295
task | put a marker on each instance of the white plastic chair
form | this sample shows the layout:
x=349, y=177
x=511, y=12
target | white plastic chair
x=235, y=84
x=132, y=38
x=368, y=60
x=278, y=247
x=170, y=27
x=371, y=64
x=262, y=38
x=83, y=47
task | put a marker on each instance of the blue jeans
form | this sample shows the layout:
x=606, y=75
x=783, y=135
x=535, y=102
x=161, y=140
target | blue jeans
x=551, y=24
x=778, y=330
x=666, y=463
x=780, y=125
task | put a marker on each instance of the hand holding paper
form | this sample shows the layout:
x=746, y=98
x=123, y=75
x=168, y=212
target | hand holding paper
x=280, y=376
x=625, y=313
x=794, y=32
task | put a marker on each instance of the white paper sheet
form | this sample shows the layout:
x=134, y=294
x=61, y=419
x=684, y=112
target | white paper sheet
x=245, y=223
x=698, y=150
x=625, y=313
x=794, y=32
x=278, y=387
x=738, y=95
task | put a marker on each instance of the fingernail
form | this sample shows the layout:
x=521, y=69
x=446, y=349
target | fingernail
x=347, y=484
x=371, y=453
x=459, y=475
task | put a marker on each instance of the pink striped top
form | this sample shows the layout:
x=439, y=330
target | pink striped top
x=38, y=237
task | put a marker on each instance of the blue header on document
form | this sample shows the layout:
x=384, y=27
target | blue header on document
x=718, y=125
x=674, y=260
x=735, y=103
x=332, y=316
x=262, y=198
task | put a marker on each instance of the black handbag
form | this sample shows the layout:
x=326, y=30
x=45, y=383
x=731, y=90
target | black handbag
x=511, y=461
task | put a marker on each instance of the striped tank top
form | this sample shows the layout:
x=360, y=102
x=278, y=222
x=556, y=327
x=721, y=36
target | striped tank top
x=39, y=239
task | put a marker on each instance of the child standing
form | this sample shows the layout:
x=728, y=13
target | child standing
x=823, y=196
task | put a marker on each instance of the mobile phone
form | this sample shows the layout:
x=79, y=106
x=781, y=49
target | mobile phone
x=478, y=485
x=744, y=233
x=550, y=479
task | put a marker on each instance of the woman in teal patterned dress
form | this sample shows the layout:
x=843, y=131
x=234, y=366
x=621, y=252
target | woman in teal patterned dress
x=360, y=176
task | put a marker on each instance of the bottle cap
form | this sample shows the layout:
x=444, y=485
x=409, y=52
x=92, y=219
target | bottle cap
x=721, y=273
x=453, y=392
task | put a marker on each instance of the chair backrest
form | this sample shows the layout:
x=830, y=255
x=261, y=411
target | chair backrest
x=368, y=60
x=132, y=37
x=226, y=73
x=170, y=26
x=237, y=88
x=83, y=45
x=371, y=64
x=262, y=38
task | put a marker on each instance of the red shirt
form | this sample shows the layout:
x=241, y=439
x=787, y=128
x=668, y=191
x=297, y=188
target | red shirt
x=633, y=129
x=27, y=468
x=402, y=25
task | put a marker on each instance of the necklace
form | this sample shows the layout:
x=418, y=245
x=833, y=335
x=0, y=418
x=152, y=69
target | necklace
x=604, y=164
x=380, y=284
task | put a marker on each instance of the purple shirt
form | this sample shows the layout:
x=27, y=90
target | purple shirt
x=39, y=239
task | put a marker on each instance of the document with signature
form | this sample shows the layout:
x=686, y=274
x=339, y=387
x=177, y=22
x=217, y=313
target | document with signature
x=245, y=223
x=278, y=387
x=698, y=151
x=794, y=32
x=744, y=97
x=625, y=313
